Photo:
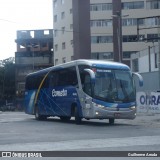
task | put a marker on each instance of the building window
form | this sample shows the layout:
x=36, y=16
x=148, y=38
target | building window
x=106, y=6
x=62, y=1
x=64, y=60
x=135, y=65
x=44, y=44
x=21, y=86
x=56, y=47
x=133, y=5
x=151, y=22
x=156, y=60
x=71, y=43
x=56, y=61
x=153, y=4
x=101, y=39
x=101, y=7
x=55, y=33
x=71, y=11
x=63, y=30
x=55, y=3
x=62, y=15
x=102, y=55
x=152, y=37
x=55, y=18
x=71, y=26
x=131, y=38
x=101, y=23
x=72, y=58
x=63, y=45
x=132, y=22
x=127, y=54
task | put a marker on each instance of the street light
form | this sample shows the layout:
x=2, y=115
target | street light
x=32, y=46
x=119, y=32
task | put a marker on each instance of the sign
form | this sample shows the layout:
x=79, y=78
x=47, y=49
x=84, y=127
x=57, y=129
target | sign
x=148, y=102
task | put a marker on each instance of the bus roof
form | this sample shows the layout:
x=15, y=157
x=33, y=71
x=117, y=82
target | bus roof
x=92, y=63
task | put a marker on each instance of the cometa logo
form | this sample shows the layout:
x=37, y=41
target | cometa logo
x=61, y=93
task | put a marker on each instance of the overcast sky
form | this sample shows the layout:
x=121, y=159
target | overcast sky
x=22, y=15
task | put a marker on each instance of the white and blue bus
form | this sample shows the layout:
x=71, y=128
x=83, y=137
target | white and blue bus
x=90, y=89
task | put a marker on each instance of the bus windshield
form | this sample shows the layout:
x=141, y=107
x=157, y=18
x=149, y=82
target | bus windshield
x=114, y=86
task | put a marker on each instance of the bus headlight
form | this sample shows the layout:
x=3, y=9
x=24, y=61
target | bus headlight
x=133, y=108
x=98, y=105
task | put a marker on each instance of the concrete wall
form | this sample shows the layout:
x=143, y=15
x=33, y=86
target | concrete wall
x=151, y=82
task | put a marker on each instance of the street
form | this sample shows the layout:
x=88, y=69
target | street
x=21, y=132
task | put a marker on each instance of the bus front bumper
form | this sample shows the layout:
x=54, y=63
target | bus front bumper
x=106, y=113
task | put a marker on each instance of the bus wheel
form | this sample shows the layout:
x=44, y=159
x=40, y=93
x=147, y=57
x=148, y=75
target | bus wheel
x=38, y=116
x=111, y=121
x=64, y=118
x=78, y=119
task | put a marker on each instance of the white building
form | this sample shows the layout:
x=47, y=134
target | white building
x=101, y=25
x=146, y=60
x=146, y=63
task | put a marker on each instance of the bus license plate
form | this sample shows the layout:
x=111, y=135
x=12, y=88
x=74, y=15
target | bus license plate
x=117, y=115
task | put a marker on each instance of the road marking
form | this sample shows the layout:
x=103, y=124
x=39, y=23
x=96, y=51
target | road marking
x=83, y=144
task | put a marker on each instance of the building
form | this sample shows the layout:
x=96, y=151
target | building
x=71, y=30
x=34, y=52
x=101, y=27
x=146, y=63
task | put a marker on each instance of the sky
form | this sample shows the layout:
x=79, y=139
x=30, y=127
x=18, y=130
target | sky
x=22, y=15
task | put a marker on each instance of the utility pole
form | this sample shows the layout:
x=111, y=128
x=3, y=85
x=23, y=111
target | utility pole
x=33, y=46
x=159, y=49
x=117, y=31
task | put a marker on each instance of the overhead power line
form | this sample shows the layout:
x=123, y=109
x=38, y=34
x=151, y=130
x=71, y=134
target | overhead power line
x=7, y=20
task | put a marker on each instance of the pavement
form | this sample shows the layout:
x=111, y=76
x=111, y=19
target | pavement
x=145, y=119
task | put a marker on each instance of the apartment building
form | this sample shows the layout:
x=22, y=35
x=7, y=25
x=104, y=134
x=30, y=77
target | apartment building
x=101, y=28
x=71, y=30
x=34, y=52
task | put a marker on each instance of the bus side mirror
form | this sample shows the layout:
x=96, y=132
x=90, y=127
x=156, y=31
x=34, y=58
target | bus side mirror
x=140, y=78
x=92, y=75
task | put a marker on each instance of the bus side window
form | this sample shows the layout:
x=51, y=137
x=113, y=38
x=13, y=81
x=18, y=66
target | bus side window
x=72, y=77
x=67, y=77
x=53, y=79
x=62, y=77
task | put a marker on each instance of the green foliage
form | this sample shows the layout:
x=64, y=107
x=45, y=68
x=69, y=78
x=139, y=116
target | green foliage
x=7, y=79
x=1, y=81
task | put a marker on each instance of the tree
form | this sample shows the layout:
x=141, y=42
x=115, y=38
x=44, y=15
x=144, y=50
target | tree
x=1, y=81
x=7, y=79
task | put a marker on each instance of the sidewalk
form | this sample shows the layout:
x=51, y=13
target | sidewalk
x=144, y=119
x=149, y=118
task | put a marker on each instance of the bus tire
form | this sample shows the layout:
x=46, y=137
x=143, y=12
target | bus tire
x=111, y=121
x=78, y=119
x=64, y=118
x=37, y=115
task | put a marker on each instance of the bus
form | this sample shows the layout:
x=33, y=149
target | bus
x=89, y=89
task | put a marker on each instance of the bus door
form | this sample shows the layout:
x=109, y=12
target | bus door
x=86, y=102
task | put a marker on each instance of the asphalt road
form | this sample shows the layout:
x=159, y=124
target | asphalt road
x=21, y=132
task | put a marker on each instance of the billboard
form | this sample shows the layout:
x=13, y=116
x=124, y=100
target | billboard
x=148, y=102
